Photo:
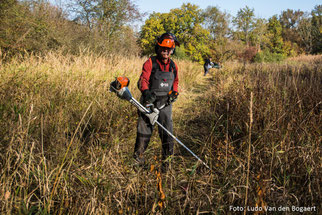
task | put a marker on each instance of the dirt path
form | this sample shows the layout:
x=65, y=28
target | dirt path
x=186, y=98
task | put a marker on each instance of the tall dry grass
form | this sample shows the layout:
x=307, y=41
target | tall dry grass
x=285, y=145
x=66, y=142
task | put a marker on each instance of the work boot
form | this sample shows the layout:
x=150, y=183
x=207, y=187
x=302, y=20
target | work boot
x=139, y=163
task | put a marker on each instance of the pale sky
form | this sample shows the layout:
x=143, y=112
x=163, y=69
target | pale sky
x=262, y=8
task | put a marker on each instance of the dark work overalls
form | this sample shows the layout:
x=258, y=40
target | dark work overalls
x=207, y=66
x=161, y=83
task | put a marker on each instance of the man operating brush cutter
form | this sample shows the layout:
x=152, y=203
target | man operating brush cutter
x=159, y=86
x=152, y=114
x=119, y=86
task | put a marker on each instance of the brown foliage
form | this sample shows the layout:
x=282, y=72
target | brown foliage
x=248, y=54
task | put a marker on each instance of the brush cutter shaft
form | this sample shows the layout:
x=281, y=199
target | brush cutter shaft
x=137, y=104
x=176, y=139
x=146, y=111
x=125, y=94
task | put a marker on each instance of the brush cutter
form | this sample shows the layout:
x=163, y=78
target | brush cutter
x=120, y=87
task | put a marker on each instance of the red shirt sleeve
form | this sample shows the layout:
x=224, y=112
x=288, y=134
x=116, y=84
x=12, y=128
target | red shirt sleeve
x=145, y=75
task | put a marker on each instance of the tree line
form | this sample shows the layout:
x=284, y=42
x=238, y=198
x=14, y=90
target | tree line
x=101, y=26
x=105, y=26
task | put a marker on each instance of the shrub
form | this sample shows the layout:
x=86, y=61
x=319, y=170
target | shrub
x=248, y=54
x=180, y=53
x=267, y=56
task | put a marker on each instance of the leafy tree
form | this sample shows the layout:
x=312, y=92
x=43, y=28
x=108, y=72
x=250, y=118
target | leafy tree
x=10, y=14
x=6, y=5
x=86, y=12
x=107, y=17
x=317, y=29
x=26, y=26
x=37, y=26
x=197, y=46
x=185, y=23
x=290, y=21
x=258, y=35
x=305, y=33
x=152, y=28
x=224, y=49
x=106, y=21
x=216, y=22
x=113, y=14
x=244, y=22
x=275, y=34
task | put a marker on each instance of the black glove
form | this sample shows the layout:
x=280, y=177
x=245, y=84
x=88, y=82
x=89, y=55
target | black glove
x=173, y=95
x=148, y=97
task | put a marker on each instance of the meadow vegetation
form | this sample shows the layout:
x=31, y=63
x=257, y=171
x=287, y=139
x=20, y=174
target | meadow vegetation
x=66, y=143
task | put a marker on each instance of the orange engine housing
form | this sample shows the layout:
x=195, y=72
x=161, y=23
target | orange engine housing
x=122, y=82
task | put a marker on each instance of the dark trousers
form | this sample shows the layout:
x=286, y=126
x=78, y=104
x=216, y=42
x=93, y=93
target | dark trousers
x=206, y=70
x=145, y=129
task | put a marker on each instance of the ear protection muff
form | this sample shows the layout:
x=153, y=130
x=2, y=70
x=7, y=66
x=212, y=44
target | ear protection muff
x=156, y=48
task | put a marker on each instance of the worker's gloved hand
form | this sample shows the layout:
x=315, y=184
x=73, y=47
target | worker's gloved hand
x=173, y=95
x=153, y=115
x=148, y=97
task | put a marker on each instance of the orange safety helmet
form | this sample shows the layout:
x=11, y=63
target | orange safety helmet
x=168, y=40
x=167, y=43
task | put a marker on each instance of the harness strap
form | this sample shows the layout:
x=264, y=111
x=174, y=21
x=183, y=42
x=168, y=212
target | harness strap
x=155, y=66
